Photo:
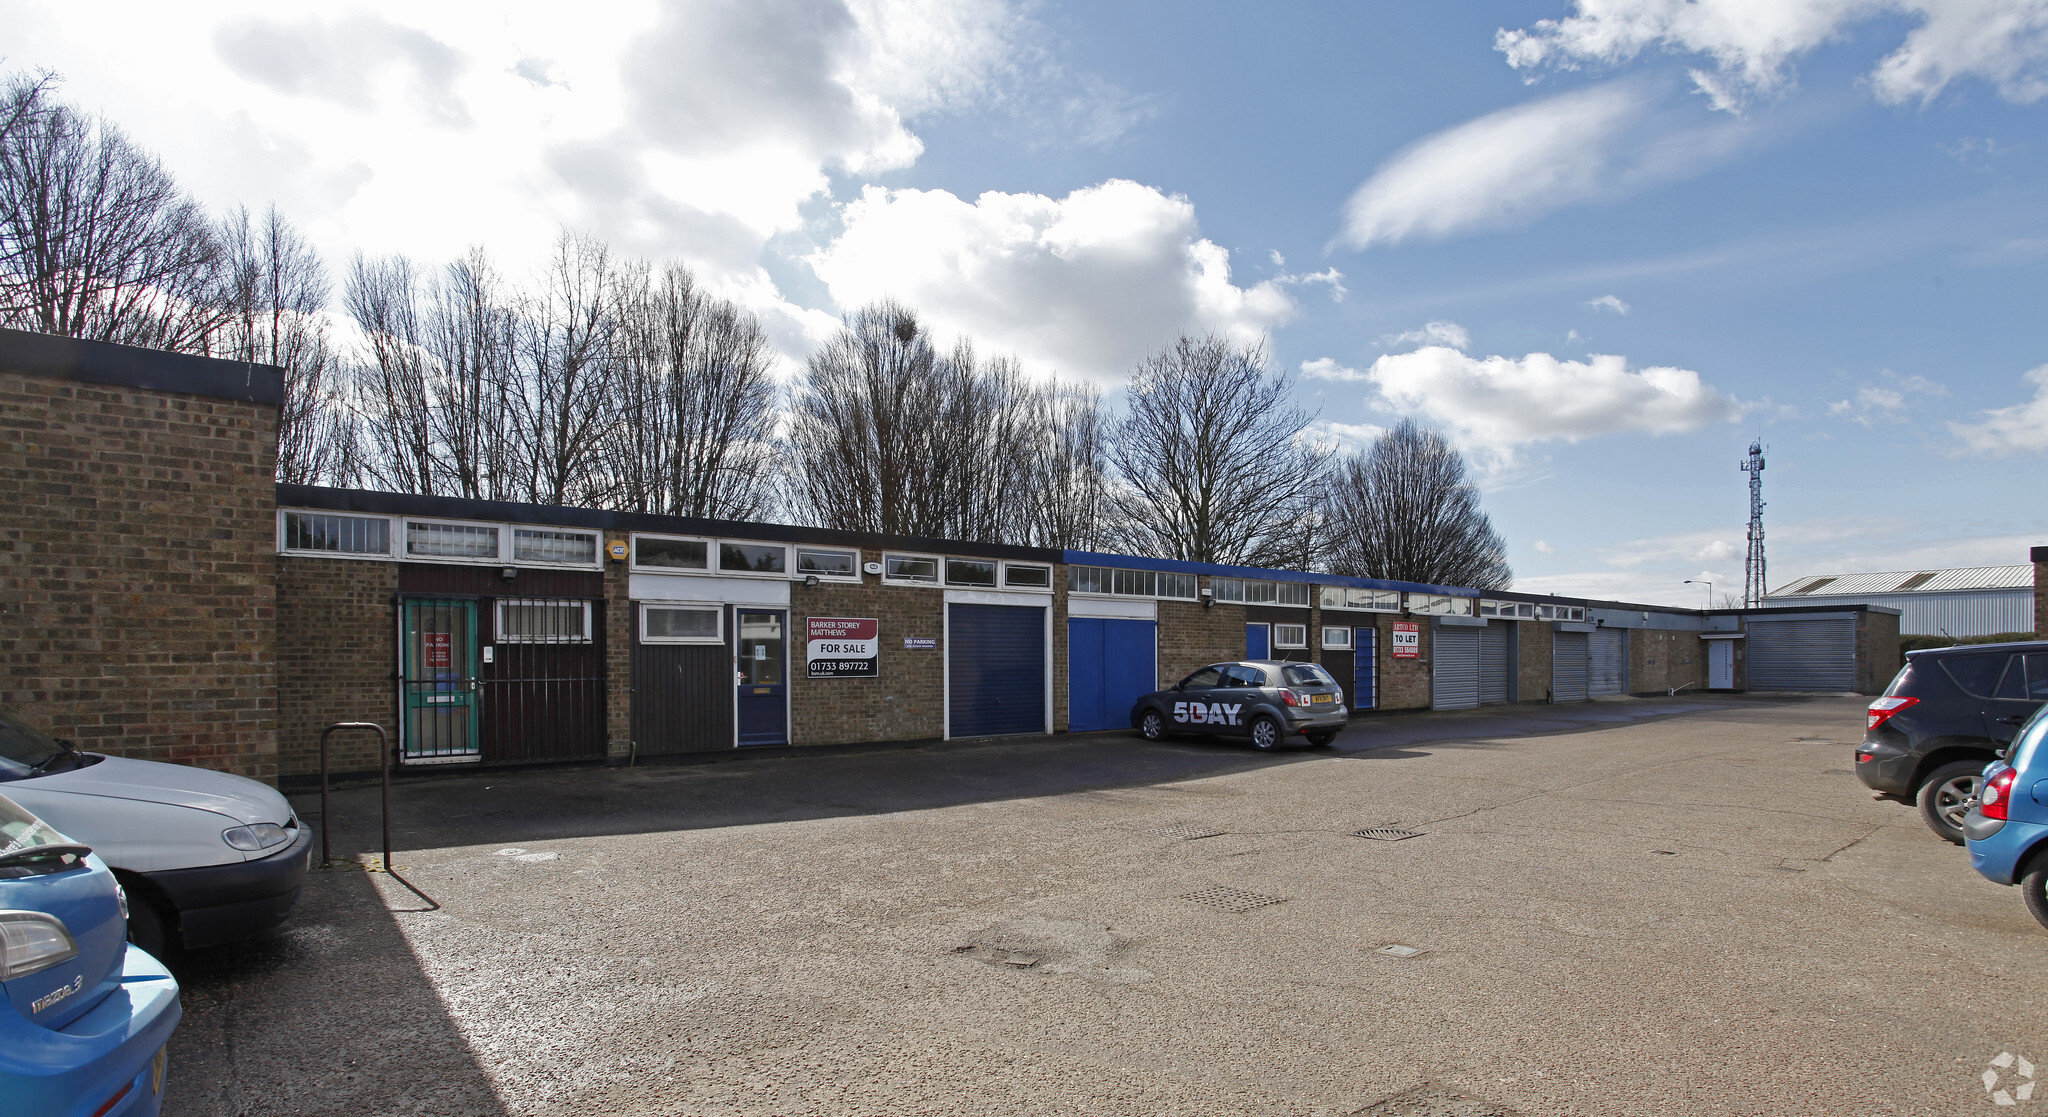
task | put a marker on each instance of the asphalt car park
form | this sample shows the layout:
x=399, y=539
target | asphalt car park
x=1686, y=906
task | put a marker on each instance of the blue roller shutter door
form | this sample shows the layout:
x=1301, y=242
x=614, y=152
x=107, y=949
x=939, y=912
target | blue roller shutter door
x=995, y=660
x=1110, y=662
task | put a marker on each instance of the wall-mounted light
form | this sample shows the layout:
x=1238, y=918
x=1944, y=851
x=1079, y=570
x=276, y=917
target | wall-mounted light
x=810, y=581
x=1208, y=598
x=509, y=573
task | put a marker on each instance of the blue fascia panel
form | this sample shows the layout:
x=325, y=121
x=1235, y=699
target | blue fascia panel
x=1221, y=570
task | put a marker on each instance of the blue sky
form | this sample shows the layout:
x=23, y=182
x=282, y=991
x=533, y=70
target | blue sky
x=1601, y=244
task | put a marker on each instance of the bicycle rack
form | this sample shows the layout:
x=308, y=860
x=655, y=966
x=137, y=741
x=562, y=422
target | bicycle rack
x=384, y=776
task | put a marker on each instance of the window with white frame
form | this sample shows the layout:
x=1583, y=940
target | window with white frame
x=525, y=620
x=682, y=624
x=814, y=561
x=1252, y=591
x=1290, y=636
x=1119, y=582
x=979, y=573
x=1177, y=587
x=1510, y=610
x=463, y=541
x=1560, y=612
x=752, y=558
x=554, y=546
x=1227, y=589
x=1026, y=576
x=1336, y=637
x=1353, y=597
x=1439, y=605
x=1291, y=593
x=668, y=552
x=330, y=533
x=917, y=570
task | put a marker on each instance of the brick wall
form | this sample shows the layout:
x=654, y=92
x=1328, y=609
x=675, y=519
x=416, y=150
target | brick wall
x=336, y=652
x=137, y=568
x=1403, y=683
x=1532, y=661
x=1659, y=660
x=1191, y=637
x=618, y=652
x=907, y=702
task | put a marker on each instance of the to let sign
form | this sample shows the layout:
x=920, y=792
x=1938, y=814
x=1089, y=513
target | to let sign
x=1407, y=639
x=843, y=647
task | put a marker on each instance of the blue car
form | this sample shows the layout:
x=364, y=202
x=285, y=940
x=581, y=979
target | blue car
x=87, y=1014
x=2007, y=829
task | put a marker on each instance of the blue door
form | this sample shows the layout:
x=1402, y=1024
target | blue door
x=1364, y=696
x=1258, y=642
x=1110, y=664
x=995, y=662
x=763, y=678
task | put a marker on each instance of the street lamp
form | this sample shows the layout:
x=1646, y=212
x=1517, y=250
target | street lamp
x=1703, y=582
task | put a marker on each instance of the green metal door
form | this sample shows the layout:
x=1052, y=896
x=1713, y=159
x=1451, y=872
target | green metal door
x=438, y=676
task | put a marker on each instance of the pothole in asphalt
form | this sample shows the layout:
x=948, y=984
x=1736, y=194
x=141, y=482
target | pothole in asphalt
x=1236, y=901
x=1075, y=947
x=1432, y=1099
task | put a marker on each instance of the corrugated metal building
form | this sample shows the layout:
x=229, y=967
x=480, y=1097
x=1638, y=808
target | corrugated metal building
x=1963, y=601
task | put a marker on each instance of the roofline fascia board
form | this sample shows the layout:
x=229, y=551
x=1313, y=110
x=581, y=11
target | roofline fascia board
x=1226, y=570
x=129, y=366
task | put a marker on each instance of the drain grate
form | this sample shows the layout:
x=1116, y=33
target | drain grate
x=1386, y=834
x=1234, y=900
x=1186, y=831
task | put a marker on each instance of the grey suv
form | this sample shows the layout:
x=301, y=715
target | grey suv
x=1263, y=701
x=1945, y=716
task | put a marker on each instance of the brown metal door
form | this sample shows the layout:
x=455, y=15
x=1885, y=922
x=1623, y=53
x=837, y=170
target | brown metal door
x=682, y=691
x=543, y=680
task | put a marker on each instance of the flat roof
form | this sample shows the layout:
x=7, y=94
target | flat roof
x=128, y=366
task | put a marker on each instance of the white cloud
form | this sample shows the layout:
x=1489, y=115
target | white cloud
x=1544, y=548
x=1751, y=44
x=2019, y=429
x=1496, y=404
x=1345, y=436
x=1608, y=302
x=1326, y=368
x=1087, y=284
x=1330, y=276
x=1508, y=167
x=1433, y=333
x=1887, y=400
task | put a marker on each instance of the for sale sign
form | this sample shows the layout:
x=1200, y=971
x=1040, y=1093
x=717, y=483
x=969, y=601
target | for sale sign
x=1407, y=639
x=843, y=647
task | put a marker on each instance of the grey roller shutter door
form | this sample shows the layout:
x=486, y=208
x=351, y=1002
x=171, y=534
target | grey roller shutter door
x=1568, y=667
x=1454, y=669
x=1493, y=662
x=1607, y=674
x=1805, y=654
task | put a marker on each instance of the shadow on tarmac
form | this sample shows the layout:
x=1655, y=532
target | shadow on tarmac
x=511, y=806
x=332, y=1015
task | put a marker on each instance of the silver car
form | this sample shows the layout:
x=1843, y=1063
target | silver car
x=1263, y=701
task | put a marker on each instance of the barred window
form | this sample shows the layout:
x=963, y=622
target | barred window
x=349, y=535
x=534, y=621
x=537, y=545
x=450, y=540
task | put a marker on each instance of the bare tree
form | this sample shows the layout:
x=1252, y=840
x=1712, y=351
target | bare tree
x=1064, y=483
x=96, y=239
x=1212, y=461
x=564, y=366
x=277, y=291
x=889, y=435
x=694, y=424
x=434, y=391
x=1404, y=509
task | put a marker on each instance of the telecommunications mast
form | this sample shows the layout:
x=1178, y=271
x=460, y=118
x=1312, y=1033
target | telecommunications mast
x=1753, y=588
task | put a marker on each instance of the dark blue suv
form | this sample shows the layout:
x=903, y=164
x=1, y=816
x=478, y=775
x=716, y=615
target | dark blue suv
x=1947, y=714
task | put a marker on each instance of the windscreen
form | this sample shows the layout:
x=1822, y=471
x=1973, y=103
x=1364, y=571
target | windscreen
x=22, y=832
x=25, y=752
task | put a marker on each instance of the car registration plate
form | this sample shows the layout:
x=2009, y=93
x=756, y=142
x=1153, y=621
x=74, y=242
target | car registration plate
x=1321, y=699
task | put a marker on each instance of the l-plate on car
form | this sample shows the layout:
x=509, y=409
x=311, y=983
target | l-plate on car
x=1264, y=701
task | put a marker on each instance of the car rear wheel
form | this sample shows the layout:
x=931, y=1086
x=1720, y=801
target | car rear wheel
x=1265, y=734
x=1946, y=795
x=1152, y=726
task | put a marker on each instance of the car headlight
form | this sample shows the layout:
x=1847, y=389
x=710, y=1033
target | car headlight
x=31, y=942
x=255, y=836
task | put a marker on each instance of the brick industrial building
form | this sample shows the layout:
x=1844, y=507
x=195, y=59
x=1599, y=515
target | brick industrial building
x=162, y=597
